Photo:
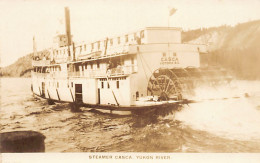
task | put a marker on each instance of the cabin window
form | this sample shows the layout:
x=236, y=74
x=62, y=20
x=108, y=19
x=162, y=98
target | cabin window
x=102, y=85
x=77, y=67
x=98, y=43
x=108, y=86
x=137, y=95
x=117, y=84
x=91, y=65
x=122, y=61
x=86, y=66
x=126, y=38
x=98, y=65
x=71, y=84
x=164, y=54
x=118, y=40
x=111, y=42
x=132, y=60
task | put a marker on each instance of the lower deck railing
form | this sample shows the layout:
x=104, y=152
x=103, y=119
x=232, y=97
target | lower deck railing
x=122, y=70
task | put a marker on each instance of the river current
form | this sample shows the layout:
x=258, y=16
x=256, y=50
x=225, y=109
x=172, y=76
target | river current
x=222, y=120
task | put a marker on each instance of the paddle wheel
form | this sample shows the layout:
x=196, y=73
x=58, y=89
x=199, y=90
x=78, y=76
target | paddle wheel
x=165, y=84
x=179, y=83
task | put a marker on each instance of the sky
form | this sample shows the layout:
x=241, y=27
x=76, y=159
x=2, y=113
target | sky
x=91, y=20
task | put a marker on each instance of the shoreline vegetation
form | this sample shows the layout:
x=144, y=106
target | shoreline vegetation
x=233, y=48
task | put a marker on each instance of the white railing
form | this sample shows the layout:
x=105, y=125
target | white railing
x=101, y=52
x=74, y=74
x=119, y=71
x=49, y=75
x=41, y=63
x=36, y=74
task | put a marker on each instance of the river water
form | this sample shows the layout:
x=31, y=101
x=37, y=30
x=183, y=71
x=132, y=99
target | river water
x=222, y=120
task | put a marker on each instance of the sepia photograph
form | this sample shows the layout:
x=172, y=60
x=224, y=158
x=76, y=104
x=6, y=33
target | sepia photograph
x=129, y=80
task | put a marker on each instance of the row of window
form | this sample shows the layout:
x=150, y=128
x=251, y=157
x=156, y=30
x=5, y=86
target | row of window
x=110, y=42
x=136, y=38
x=117, y=78
x=108, y=85
x=76, y=67
x=47, y=69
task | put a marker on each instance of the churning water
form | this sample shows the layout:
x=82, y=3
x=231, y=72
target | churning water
x=225, y=119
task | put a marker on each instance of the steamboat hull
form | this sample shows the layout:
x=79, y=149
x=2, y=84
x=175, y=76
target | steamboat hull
x=134, y=109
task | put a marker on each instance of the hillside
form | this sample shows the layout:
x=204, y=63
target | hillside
x=225, y=37
x=19, y=68
x=22, y=67
x=235, y=48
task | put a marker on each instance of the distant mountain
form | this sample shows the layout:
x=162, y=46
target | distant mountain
x=241, y=36
x=22, y=67
x=19, y=68
x=235, y=48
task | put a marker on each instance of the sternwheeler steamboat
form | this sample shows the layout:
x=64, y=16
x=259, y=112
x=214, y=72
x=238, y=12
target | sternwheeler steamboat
x=149, y=68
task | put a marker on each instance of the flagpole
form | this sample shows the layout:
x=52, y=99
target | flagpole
x=168, y=51
x=171, y=12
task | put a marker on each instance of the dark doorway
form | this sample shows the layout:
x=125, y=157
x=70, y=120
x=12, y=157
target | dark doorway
x=43, y=89
x=98, y=95
x=78, y=93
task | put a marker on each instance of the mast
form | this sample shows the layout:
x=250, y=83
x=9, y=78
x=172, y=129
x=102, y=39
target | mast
x=35, y=54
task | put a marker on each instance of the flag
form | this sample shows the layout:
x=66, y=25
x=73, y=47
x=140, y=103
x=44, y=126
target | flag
x=172, y=11
x=34, y=48
x=60, y=21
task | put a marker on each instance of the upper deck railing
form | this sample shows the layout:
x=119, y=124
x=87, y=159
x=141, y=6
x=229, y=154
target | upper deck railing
x=98, y=73
x=41, y=63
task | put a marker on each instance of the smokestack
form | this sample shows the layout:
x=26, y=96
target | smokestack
x=67, y=25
